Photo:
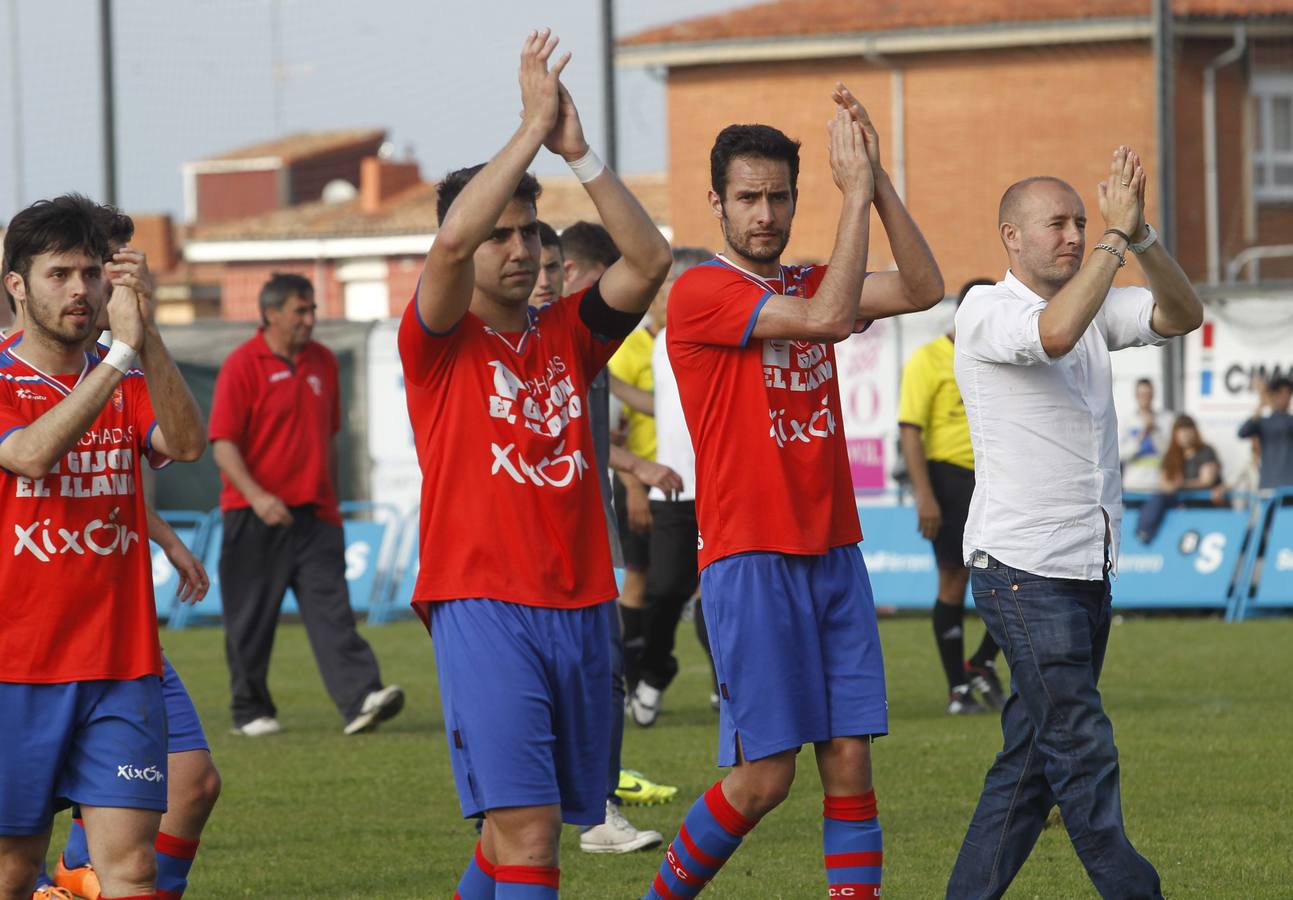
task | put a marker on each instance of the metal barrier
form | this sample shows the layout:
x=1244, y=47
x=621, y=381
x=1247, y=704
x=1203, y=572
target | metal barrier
x=1237, y=560
x=190, y=526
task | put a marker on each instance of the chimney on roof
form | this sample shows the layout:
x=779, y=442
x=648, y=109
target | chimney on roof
x=380, y=179
x=155, y=237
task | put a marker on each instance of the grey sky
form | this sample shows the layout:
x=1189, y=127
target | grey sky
x=196, y=77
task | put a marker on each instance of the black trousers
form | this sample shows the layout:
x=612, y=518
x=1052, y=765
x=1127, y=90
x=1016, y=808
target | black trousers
x=671, y=580
x=257, y=566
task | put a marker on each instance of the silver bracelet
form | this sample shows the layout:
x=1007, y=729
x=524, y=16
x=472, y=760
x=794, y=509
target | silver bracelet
x=1122, y=260
x=121, y=356
x=587, y=167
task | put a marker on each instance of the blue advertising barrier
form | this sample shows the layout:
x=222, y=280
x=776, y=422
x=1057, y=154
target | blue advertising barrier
x=1191, y=562
x=899, y=561
x=393, y=602
x=1266, y=583
x=191, y=527
x=370, y=548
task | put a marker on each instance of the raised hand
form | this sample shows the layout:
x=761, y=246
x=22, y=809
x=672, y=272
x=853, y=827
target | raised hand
x=129, y=268
x=567, y=135
x=844, y=98
x=1122, y=196
x=850, y=165
x=540, y=85
x=124, y=318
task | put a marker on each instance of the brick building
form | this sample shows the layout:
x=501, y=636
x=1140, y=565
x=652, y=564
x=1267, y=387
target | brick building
x=361, y=235
x=969, y=97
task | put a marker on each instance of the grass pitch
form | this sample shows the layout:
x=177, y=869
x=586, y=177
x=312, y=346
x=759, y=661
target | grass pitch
x=1201, y=712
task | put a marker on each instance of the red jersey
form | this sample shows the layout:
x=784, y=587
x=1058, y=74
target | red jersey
x=511, y=503
x=772, y=469
x=76, y=590
x=282, y=415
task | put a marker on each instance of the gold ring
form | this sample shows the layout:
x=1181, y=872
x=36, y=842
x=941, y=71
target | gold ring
x=1126, y=184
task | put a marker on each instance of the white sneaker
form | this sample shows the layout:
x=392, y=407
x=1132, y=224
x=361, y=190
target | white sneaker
x=644, y=704
x=378, y=707
x=616, y=835
x=259, y=727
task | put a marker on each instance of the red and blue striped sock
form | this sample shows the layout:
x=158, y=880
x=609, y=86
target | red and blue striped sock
x=853, y=845
x=131, y=897
x=708, y=836
x=526, y=882
x=76, y=852
x=478, y=881
x=174, y=860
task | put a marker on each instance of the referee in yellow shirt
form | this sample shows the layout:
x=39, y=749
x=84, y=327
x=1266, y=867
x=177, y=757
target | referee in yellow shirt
x=935, y=441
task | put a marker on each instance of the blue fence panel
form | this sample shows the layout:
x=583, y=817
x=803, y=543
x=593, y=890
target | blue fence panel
x=1191, y=562
x=1275, y=584
x=393, y=600
x=189, y=527
x=899, y=561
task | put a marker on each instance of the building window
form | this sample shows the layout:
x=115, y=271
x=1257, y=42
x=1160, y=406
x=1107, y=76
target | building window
x=1273, y=144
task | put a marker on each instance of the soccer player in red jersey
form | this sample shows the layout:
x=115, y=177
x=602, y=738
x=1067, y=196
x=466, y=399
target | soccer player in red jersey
x=785, y=592
x=192, y=782
x=516, y=583
x=72, y=430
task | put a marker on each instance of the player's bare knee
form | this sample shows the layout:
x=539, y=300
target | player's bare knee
x=207, y=788
x=135, y=867
x=18, y=873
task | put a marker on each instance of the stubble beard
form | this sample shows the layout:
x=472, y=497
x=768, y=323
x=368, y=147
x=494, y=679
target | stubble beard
x=741, y=245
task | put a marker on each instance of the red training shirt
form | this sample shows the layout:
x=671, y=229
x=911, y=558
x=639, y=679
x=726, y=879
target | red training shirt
x=282, y=416
x=511, y=504
x=772, y=469
x=76, y=585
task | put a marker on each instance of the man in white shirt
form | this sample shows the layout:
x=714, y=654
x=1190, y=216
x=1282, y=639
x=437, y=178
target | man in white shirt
x=1032, y=363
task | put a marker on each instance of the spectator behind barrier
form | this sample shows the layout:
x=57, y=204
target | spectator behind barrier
x=1275, y=429
x=1143, y=442
x=1188, y=465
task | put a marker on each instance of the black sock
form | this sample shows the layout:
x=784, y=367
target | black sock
x=987, y=651
x=634, y=630
x=950, y=637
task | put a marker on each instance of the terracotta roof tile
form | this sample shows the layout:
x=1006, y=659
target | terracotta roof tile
x=798, y=18
x=412, y=211
x=303, y=145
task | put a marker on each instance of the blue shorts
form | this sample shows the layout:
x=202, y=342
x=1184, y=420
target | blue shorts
x=94, y=743
x=526, y=694
x=796, y=651
x=184, y=728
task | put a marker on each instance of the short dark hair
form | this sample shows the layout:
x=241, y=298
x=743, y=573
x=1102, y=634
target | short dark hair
x=759, y=141
x=589, y=244
x=66, y=223
x=548, y=236
x=1281, y=384
x=977, y=282
x=1140, y=381
x=452, y=184
x=117, y=227
x=280, y=287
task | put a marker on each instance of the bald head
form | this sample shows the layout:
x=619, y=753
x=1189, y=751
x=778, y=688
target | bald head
x=1014, y=202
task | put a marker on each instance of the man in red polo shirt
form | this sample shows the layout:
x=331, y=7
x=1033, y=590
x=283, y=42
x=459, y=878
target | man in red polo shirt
x=273, y=419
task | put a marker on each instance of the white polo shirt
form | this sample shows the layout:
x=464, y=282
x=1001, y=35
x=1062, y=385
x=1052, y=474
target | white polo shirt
x=1044, y=430
x=673, y=442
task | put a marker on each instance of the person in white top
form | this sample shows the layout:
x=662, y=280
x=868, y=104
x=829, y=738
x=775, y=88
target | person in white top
x=1032, y=363
x=673, y=575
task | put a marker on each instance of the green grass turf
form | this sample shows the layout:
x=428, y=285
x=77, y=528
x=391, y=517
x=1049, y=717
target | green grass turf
x=1201, y=711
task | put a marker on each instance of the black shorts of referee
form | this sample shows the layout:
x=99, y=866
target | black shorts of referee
x=953, y=487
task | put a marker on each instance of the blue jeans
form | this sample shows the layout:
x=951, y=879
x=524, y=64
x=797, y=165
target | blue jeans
x=1058, y=742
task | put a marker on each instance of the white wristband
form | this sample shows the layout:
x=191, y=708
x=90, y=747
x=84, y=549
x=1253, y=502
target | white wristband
x=587, y=167
x=121, y=356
